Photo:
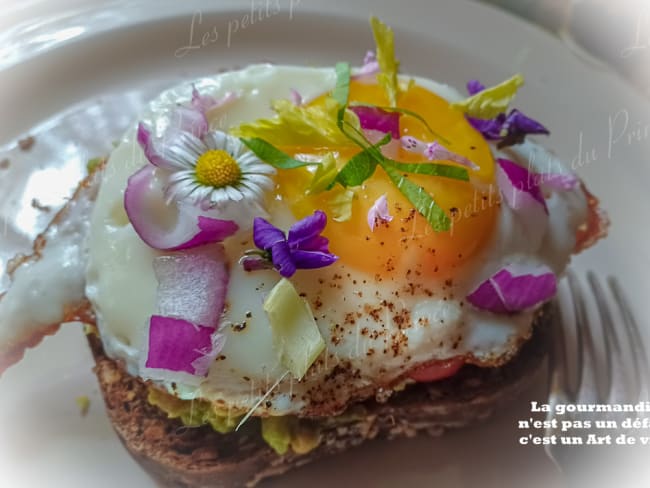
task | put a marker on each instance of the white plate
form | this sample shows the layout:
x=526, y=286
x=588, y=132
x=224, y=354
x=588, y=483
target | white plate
x=82, y=78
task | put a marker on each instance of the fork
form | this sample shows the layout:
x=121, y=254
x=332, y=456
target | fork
x=617, y=372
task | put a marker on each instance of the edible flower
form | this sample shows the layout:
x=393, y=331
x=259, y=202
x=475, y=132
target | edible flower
x=303, y=248
x=370, y=66
x=295, y=97
x=379, y=212
x=515, y=288
x=435, y=151
x=508, y=129
x=212, y=171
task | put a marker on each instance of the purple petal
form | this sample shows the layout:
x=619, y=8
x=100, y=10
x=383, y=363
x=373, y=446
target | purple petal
x=379, y=212
x=265, y=234
x=202, y=103
x=490, y=128
x=474, y=86
x=316, y=243
x=515, y=288
x=192, y=286
x=143, y=196
x=312, y=259
x=174, y=345
x=306, y=229
x=281, y=255
x=370, y=57
x=373, y=118
x=520, y=123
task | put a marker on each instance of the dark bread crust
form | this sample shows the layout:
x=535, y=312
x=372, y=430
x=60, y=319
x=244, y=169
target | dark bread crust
x=197, y=457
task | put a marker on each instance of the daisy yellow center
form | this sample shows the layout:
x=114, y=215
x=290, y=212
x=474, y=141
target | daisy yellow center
x=217, y=168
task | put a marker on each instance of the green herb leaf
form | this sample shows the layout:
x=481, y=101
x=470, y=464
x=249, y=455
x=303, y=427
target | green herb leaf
x=324, y=175
x=272, y=155
x=342, y=89
x=420, y=199
x=298, y=125
x=362, y=165
x=389, y=66
x=431, y=169
x=492, y=101
x=94, y=163
x=357, y=170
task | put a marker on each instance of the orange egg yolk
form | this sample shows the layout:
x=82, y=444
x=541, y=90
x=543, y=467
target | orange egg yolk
x=407, y=245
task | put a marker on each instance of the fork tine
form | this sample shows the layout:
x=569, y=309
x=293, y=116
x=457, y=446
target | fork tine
x=637, y=348
x=559, y=383
x=586, y=350
x=610, y=338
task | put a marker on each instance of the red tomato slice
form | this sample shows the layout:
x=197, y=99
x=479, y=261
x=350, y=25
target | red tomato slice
x=437, y=370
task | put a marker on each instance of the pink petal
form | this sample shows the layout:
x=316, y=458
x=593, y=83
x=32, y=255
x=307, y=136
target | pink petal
x=434, y=151
x=143, y=201
x=515, y=288
x=379, y=212
x=519, y=186
x=558, y=181
x=177, y=350
x=295, y=97
x=205, y=103
x=149, y=144
x=187, y=119
x=193, y=285
x=370, y=66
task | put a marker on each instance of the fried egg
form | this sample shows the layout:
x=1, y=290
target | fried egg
x=393, y=301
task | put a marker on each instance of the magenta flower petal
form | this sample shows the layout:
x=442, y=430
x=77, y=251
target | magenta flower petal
x=379, y=212
x=144, y=195
x=174, y=345
x=514, y=289
x=186, y=119
x=192, y=286
x=265, y=234
x=374, y=118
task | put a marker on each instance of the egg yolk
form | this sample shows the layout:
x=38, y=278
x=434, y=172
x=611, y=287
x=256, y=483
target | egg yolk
x=407, y=244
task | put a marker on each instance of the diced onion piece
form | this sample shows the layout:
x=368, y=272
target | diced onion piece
x=144, y=202
x=192, y=286
x=519, y=186
x=295, y=333
x=178, y=350
x=515, y=288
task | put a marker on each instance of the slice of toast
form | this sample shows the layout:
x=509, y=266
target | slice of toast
x=179, y=456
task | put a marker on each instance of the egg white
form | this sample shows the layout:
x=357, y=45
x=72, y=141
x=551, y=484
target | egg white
x=375, y=331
